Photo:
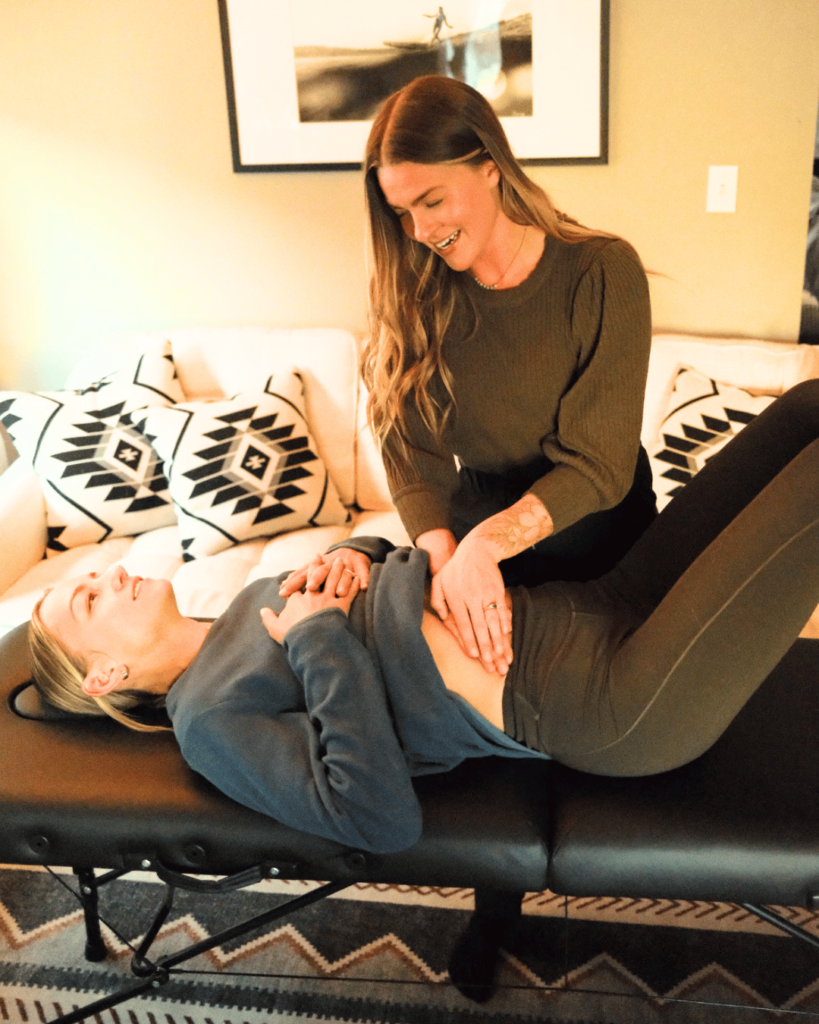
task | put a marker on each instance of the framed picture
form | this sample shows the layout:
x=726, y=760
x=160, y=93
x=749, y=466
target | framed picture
x=305, y=77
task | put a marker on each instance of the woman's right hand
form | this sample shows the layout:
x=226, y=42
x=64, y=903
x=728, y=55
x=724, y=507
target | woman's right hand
x=469, y=598
x=302, y=604
x=354, y=566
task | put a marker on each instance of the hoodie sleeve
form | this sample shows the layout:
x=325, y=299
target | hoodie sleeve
x=375, y=548
x=336, y=770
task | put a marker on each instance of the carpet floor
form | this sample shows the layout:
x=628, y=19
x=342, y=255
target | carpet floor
x=379, y=954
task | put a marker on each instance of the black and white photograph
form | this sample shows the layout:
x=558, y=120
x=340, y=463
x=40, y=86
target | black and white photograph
x=350, y=57
x=305, y=79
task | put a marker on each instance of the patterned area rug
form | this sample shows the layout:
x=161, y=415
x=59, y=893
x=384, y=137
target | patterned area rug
x=380, y=953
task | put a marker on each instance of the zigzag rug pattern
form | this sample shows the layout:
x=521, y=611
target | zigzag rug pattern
x=380, y=953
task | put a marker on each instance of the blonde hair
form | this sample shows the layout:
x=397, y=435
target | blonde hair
x=58, y=675
x=433, y=120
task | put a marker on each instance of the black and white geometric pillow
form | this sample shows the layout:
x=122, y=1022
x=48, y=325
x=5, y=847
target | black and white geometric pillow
x=243, y=467
x=702, y=418
x=99, y=476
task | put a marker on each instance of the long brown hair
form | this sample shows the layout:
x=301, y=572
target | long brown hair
x=433, y=120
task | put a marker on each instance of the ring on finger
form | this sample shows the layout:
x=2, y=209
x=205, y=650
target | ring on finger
x=350, y=571
x=488, y=606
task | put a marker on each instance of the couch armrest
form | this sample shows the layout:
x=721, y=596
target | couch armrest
x=23, y=532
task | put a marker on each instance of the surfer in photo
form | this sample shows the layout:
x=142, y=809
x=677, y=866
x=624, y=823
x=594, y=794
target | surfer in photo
x=440, y=21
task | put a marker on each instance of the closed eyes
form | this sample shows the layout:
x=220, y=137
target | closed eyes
x=430, y=204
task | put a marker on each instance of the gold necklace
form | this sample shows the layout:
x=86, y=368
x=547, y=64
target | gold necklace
x=492, y=287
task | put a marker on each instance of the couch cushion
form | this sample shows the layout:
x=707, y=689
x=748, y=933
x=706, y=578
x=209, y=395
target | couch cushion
x=203, y=587
x=243, y=467
x=99, y=476
x=761, y=367
x=216, y=361
x=372, y=490
x=701, y=418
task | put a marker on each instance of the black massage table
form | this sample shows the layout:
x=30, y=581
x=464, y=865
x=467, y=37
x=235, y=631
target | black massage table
x=741, y=824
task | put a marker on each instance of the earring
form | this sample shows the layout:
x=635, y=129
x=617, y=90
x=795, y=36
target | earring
x=124, y=674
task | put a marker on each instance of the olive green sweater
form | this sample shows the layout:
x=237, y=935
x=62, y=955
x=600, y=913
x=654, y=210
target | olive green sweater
x=557, y=368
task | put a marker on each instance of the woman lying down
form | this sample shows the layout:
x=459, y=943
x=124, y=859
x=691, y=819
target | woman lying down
x=318, y=709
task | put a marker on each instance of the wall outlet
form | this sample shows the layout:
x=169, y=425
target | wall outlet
x=722, y=190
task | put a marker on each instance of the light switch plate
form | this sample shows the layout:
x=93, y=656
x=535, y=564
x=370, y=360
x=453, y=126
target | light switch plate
x=722, y=190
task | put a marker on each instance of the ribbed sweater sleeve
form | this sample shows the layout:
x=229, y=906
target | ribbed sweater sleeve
x=422, y=487
x=555, y=369
x=597, y=436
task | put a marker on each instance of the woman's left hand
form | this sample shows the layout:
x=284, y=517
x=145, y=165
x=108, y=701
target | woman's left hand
x=469, y=596
x=303, y=604
x=468, y=592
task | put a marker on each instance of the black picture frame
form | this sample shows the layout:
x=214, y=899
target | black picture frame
x=278, y=124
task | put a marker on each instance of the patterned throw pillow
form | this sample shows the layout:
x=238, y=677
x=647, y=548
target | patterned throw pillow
x=702, y=418
x=100, y=477
x=243, y=467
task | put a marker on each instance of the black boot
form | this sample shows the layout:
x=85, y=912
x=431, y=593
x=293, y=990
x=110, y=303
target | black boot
x=474, y=960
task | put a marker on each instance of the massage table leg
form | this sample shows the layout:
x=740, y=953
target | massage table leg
x=474, y=960
x=794, y=930
x=155, y=974
x=88, y=887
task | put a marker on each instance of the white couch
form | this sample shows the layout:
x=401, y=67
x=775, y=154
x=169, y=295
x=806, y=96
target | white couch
x=213, y=362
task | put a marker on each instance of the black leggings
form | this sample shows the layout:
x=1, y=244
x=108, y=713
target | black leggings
x=642, y=670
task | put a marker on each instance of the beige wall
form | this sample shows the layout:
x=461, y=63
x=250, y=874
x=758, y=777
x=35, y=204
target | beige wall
x=119, y=209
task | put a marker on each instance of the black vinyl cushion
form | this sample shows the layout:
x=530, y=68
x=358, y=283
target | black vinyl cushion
x=741, y=823
x=91, y=793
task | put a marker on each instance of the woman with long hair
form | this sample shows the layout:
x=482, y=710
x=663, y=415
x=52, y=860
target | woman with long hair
x=507, y=336
x=320, y=708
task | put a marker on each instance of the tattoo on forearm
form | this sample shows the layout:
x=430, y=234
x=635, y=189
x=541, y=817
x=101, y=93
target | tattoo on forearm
x=519, y=527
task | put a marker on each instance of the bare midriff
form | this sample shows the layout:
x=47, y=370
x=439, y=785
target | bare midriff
x=464, y=675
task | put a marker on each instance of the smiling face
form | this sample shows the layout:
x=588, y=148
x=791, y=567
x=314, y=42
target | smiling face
x=454, y=209
x=125, y=618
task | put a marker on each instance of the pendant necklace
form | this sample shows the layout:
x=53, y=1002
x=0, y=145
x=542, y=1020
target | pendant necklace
x=492, y=287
